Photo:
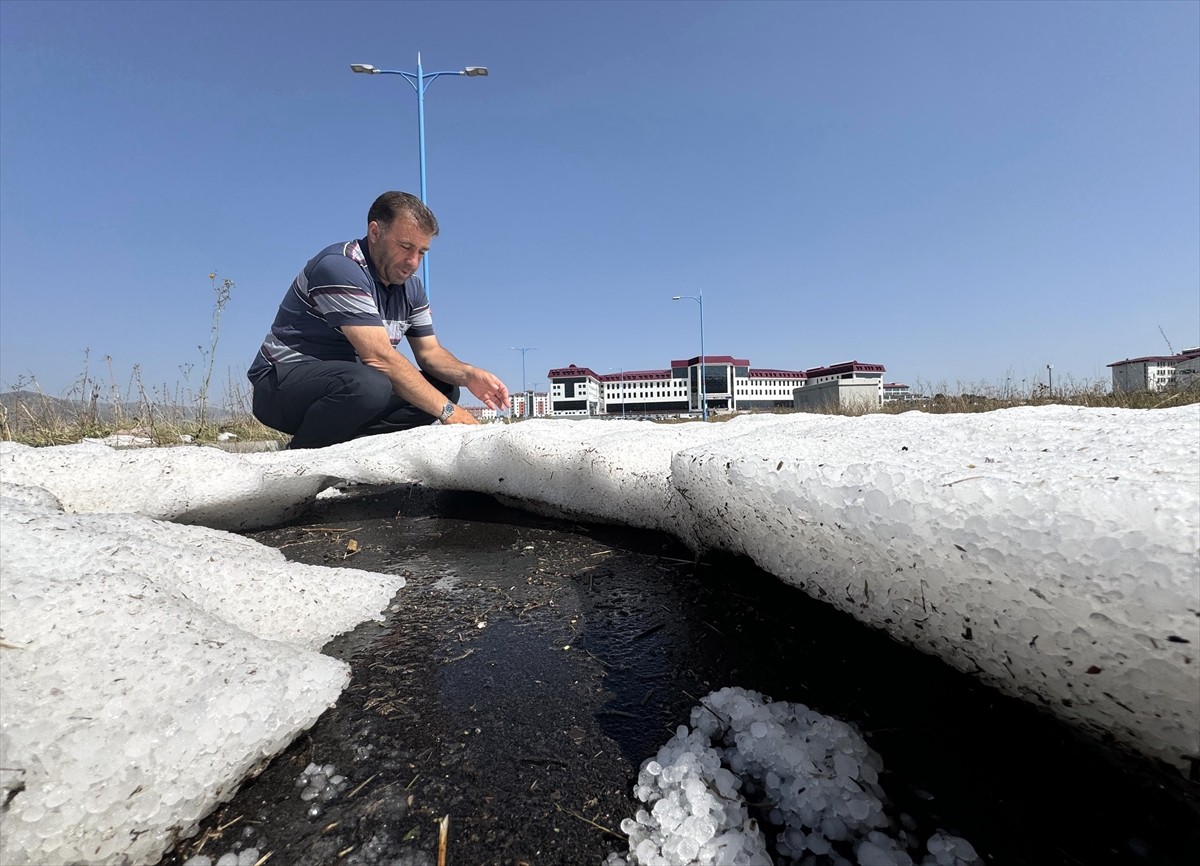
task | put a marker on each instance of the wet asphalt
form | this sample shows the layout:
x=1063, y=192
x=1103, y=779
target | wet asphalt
x=530, y=665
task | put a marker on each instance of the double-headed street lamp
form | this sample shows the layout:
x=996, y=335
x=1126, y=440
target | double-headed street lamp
x=420, y=81
x=699, y=299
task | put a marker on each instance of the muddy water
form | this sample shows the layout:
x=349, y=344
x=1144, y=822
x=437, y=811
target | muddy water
x=531, y=665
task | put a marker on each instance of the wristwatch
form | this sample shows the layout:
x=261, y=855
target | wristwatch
x=447, y=411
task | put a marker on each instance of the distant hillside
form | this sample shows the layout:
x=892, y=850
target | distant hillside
x=13, y=400
x=22, y=405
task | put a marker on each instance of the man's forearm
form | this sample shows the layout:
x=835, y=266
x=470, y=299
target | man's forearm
x=376, y=351
x=441, y=364
x=409, y=384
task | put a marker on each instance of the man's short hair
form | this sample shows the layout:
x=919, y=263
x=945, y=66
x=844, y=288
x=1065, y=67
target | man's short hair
x=391, y=205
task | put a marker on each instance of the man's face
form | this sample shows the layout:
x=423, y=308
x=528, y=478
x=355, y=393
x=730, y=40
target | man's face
x=397, y=249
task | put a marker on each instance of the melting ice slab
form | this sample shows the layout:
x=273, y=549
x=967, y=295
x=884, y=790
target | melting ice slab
x=1055, y=553
x=1052, y=551
x=147, y=669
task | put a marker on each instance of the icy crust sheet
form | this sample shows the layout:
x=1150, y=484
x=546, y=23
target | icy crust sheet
x=147, y=669
x=813, y=777
x=606, y=471
x=1054, y=551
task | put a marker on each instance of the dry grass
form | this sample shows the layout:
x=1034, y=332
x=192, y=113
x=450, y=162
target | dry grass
x=94, y=408
x=29, y=416
x=1086, y=396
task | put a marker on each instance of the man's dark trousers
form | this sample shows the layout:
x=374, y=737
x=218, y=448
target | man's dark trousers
x=325, y=402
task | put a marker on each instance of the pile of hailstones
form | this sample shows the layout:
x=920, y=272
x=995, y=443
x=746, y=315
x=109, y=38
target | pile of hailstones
x=816, y=774
x=318, y=785
x=245, y=857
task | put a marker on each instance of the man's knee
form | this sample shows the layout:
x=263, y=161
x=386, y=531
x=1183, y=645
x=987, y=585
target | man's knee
x=368, y=387
x=264, y=403
x=337, y=382
x=326, y=390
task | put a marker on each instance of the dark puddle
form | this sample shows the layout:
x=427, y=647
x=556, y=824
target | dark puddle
x=531, y=665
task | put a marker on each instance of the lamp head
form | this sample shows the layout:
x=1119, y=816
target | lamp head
x=475, y=70
x=364, y=67
x=677, y=297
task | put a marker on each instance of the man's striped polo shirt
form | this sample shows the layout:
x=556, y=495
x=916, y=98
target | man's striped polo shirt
x=339, y=286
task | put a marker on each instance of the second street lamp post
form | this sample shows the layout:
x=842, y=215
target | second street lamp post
x=523, y=350
x=532, y=398
x=420, y=81
x=699, y=299
x=620, y=388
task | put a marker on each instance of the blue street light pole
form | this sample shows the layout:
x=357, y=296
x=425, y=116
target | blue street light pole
x=420, y=81
x=699, y=299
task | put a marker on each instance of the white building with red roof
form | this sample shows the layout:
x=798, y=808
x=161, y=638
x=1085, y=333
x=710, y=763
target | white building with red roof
x=730, y=385
x=1157, y=372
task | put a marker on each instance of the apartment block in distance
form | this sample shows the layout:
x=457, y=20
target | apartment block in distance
x=529, y=404
x=1157, y=372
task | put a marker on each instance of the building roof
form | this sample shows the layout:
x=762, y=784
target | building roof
x=571, y=370
x=635, y=375
x=1185, y=355
x=711, y=359
x=846, y=367
x=778, y=374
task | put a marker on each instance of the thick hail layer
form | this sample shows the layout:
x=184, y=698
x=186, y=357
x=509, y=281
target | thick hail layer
x=1052, y=551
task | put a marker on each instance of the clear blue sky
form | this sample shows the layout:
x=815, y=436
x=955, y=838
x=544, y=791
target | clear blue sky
x=963, y=192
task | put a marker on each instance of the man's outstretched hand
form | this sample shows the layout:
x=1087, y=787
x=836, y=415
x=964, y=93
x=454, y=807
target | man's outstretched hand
x=487, y=388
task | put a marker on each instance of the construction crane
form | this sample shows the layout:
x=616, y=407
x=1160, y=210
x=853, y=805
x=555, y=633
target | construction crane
x=1170, y=348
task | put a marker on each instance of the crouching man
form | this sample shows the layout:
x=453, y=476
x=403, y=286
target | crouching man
x=330, y=370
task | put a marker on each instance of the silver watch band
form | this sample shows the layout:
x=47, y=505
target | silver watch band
x=447, y=411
